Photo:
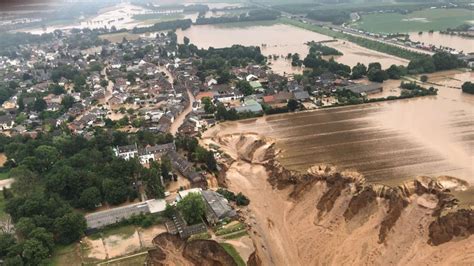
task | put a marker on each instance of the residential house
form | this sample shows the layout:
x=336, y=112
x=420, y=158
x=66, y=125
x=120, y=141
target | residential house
x=217, y=207
x=7, y=122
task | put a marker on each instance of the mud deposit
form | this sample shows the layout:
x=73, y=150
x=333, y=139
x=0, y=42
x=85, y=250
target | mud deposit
x=172, y=250
x=326, y=217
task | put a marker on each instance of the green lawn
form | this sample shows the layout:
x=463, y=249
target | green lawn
x=65, y=255
x=230, y=229
x=236, y=235
x=128, y=261
x=423, y=20
x=232, y=252
x=123, y=231
x=4, y=175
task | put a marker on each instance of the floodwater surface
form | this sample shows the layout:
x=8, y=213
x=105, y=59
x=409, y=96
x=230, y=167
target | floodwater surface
x=464, y=44
x=388, y=142
x=280, y=39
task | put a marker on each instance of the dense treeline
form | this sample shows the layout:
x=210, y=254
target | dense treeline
x=7, y=90
x=321, y=49
x=336, y=17
x=320, y=65
x=468, y=87
x=165, y=25
x=438, y=62
x=253, y=15
x=196, y=153
x=54, y=174
x=217, y=62
x=12, y=40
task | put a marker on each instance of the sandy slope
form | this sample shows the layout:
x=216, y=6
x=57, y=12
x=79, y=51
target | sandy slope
x=292, y=231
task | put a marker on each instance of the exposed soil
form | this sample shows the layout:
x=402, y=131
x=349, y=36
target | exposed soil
x=3, y=159
x=327, y=217
x=172, y=250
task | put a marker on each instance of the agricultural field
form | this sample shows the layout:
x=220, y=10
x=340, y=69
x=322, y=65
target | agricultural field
x=423, y=20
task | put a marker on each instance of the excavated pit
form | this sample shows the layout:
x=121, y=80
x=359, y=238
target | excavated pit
x=296, y=217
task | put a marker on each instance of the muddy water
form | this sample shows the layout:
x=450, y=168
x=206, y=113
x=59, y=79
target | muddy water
x=457, y=42
x=279, y=39
x=387, y=142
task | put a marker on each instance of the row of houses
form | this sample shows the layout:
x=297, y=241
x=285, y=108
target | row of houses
x=146, y=154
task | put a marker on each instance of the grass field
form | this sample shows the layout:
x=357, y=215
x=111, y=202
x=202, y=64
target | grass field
x=138, y=259
x=424, y=20
x=4, y=175
x=123, y=231
x=232, y=252
x=65, y=255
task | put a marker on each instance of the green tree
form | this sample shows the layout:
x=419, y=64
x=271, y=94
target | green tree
x=24, y=226
x=292, y=105
x=6, y=241
x=358, y=71
x=169, y=211
x=90, y=198
x=13, y=261
x=67, y=102
x=26, y=182
x=377, y=75
x=39, y=105
x=424, y=78
x=245, y=87
x=34, y=252
x=192, y=207
x=209, y=107
x=241, y=200
x=375, y=65
x=46, y=156
x=115, y=191
x=395, y=72
x=468, y=87
x=186, y=40
x=45, y=237
x=69, y=228
x=56, y=89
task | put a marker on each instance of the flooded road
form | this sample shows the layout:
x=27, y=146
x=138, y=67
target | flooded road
x=387, y=142
x=456, y=42
x=280, y=39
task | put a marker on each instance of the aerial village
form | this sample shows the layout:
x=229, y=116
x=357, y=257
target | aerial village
x=79, y=83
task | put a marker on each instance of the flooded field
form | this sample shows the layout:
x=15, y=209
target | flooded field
x=279, y=39
x=387, y=142
x=457, y=42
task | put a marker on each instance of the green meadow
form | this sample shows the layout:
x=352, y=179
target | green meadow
x=423, y=20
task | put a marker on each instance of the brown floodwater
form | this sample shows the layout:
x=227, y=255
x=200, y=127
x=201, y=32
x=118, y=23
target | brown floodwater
x=280, y=39
x=388, y=142
x=457, y=42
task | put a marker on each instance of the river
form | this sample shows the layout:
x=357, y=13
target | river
x=280, y=39
x=387, y=142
